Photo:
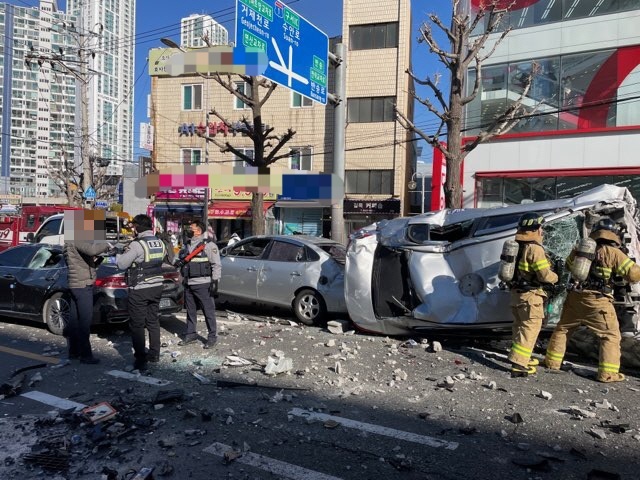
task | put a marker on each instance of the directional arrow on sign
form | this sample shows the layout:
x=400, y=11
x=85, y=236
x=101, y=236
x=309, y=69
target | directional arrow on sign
x=283, y=67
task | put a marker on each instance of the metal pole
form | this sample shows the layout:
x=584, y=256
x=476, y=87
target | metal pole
x=422, y=198
x=84, y=94
x=340, y=123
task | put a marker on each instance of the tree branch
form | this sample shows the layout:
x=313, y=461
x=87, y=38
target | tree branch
x=272, y=154
x=428, y=82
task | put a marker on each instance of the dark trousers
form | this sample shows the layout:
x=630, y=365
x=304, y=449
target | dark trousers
x=143, y=307
x=197, y=296
x=78, y=330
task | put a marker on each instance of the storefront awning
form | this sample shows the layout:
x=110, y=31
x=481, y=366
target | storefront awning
x=233, y=209
x=178, y=208
x=299, y=204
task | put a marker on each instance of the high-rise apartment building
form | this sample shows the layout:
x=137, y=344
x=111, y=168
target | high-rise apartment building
x=38, y=100
x=584, y=61
x=107, y=27
x=195, y=28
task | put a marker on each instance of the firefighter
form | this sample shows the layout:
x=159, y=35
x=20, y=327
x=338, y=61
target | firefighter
x=528, y=298
x=590, y=303
x=143, y=264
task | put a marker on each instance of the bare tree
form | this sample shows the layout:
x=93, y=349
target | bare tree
x=266, y=144
x=68, y=178
x=465, y=49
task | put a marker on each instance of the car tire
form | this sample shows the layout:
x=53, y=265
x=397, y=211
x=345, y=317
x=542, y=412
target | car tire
x=56, y=313
x=309, y=307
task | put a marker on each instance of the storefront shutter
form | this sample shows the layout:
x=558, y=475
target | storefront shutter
x=307, y=221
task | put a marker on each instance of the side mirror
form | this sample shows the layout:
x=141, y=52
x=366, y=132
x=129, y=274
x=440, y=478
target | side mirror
x=223, y=252
x=31, y=237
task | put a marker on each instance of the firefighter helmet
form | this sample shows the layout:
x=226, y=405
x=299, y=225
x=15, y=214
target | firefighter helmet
x=530, y=221
x=605, y=224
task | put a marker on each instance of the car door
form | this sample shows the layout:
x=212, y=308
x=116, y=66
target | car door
x=39, y=275
x=281, y=272
x=240, y=266
x=51, y=231
x=12, y=262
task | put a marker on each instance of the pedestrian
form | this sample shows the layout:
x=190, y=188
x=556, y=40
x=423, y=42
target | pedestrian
x=173, y=238
x=201, y=274
x=211, y=234
x=235, y=238
x=143, y=264
x=81, y=249
x=590, y=302
x=528, y=298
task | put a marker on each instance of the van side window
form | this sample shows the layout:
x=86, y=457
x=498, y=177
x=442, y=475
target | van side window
x=52, y=227
x=497, y=223
x=450, y=233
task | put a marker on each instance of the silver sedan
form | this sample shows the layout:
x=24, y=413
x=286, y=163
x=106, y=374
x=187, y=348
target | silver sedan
x=299, y=272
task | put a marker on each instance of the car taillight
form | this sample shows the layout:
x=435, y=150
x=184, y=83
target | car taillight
x=114, y=281
x=174, y=276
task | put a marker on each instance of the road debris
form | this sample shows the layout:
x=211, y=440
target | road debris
x=598, y=433
x=545, y=395
x=436, y=347
x=278, y=364
x=99, y=413
x=338, y=326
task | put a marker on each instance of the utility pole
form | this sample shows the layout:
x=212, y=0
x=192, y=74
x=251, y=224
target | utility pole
x=340, y=124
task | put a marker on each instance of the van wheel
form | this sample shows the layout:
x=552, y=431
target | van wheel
x=309, y=307
x=56, y=313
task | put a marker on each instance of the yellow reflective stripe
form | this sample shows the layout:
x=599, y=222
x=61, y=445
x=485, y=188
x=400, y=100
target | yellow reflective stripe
x=625, y=267
x=609, y=367
x=516, y=347
x=569, y=262
x=602, y=272
x=554, y=356
x=199, y=259
x=524, y=266
x=541, y=265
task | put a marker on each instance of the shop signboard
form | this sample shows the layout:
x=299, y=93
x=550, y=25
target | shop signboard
x=369, y=207
x=194, y=194
x=230, y=194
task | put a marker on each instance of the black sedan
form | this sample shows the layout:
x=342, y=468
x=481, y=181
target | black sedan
x=33, y=285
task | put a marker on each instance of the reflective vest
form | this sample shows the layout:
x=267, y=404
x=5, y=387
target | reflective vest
x=199, y=266
x=151, y=267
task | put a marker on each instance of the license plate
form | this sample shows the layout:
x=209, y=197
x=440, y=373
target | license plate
x=165, y=303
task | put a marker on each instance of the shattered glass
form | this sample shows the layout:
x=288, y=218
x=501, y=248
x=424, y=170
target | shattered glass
x=560, y=236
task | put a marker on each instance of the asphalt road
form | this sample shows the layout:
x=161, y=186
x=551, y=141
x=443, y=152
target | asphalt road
x=351, y=406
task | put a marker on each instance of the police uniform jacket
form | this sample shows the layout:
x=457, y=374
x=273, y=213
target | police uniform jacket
x=135, y=255
x=210, y=254
x=533, y=265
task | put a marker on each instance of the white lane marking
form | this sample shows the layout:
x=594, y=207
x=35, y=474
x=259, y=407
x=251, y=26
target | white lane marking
x=377, y=429
x=277, y=467
x=139, y=378
x=53, y=401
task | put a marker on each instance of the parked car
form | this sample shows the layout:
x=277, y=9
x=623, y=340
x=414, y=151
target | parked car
x=303, y=273
x=33, y=285
x=51, y=231
x=439, y=270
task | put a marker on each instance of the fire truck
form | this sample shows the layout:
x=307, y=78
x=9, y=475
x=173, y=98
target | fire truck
x=15, y=226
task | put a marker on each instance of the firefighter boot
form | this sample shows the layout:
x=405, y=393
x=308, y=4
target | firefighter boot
x=533, y=362
x=520, y=371
x=610, y=377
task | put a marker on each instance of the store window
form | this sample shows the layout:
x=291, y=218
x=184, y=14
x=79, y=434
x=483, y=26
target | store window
x=371, y=109
x=379, y=35
x=300, y=101
x=191, y=156
x=192, y=97
x=495, y=192
x=369, y=181
x=301, y=158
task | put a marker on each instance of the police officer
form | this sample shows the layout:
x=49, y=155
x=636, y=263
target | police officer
x=590, y=303
x=143, y=263
x=532, y=273
x=201, y=274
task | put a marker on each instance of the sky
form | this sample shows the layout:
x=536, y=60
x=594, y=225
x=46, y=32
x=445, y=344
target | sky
x=156, y=19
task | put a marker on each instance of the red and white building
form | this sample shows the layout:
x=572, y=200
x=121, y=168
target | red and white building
x=586, y=132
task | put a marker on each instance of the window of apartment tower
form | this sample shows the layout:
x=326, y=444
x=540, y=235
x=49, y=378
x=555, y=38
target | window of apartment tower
x=298, y=101
x=239, y=162
x=370, y=109
x=378, y=35
x=192, y=97
x=191, y=156
x=244, y=88
x=300, y=159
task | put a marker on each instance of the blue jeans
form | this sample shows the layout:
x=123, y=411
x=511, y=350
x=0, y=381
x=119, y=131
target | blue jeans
x=78, y=329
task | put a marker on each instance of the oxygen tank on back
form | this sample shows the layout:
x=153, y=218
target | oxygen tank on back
x=508, y=260
x=585, y=253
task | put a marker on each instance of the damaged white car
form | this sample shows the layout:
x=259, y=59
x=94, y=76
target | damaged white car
x=439, y=270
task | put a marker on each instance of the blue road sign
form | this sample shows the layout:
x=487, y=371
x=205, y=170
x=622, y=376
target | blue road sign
x=90, y=193
x=101, y=204
x=297, y=50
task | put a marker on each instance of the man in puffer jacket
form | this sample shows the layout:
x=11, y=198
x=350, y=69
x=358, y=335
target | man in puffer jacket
x=80, y=254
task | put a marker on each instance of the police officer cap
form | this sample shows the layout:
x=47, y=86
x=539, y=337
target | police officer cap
x=605, y=224
x=530, y=221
